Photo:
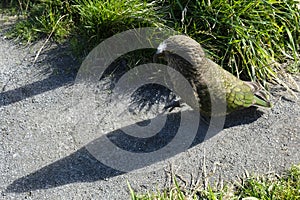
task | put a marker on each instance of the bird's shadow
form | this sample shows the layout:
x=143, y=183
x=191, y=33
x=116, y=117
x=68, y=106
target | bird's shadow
x=82, y=166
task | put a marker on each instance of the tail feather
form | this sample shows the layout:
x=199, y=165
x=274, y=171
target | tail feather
x=261, y=97
x=262, y=102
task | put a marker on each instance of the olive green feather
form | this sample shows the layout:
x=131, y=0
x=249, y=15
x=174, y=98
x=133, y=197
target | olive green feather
x=211, y=83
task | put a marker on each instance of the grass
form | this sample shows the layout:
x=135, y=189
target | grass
x=248, y=38
x=286, y=186
x=83, y=23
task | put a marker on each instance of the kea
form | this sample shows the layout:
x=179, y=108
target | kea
x=209, y=81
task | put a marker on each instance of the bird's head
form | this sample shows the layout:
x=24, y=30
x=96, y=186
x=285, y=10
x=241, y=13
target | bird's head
x=179, y=47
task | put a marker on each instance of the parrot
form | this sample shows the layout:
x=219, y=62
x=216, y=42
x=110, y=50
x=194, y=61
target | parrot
x=209, y=81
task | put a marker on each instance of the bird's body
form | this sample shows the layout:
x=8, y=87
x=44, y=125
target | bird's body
x=212, y=85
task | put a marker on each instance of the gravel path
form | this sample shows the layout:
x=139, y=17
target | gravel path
x=42, y=158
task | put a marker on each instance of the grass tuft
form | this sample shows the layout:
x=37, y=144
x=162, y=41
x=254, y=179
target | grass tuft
x=272, y=186
x=98, y=20
x=248, y=38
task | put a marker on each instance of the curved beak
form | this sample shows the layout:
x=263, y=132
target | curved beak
x=158, y=55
